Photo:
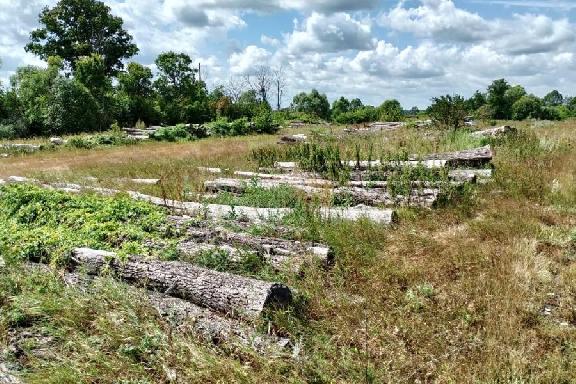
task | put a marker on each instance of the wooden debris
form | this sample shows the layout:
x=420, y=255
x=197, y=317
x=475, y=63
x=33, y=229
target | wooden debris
x=495, y=132
x=229, y=294
x=477, y=157
x=279, y=252
x=293, y=139
x=57, y=141
x=21, y=147
x=210, y=170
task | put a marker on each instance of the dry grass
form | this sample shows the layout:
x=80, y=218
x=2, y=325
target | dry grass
x=483, y=292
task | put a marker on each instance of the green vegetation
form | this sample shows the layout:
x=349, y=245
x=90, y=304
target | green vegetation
x=39, y=224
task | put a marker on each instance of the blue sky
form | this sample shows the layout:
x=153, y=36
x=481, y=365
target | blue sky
x=373, y=49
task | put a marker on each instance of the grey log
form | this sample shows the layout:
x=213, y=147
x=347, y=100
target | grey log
x=229, y=294
x=281, y=253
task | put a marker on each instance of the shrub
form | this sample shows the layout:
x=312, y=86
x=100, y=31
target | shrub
x=264, y=123
x=448, y=111
x=176, y=133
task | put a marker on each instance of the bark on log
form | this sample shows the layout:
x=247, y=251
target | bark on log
x=476, y=157
x=426, y=163
x=229, y=294
x=477, y=175
x=280, y=253
x=210, y=170
x=6, y=376
x=376, y=196
x=303, y=179
x=21, y=147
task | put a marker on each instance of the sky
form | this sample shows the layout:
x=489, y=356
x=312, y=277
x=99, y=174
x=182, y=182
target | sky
x=410, y=50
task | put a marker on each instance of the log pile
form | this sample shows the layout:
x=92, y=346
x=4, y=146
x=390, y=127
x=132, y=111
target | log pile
x=28, y=148
x=140, y=134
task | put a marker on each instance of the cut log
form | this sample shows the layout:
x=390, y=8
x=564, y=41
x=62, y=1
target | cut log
x=478, y=175
x=229, y=294
x=293, y=139
x=186, y=316
x=6, y=376
x=428, y=164
x=303, y=179
x=280, y=253
x=421, y=198
x=495, y=132
x=216, y=328
x=210, y=170
x=377, y=215
x=477, y=157
x=21, y=147
x=376, y=196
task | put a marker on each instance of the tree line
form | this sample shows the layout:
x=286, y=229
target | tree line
x=87, y=87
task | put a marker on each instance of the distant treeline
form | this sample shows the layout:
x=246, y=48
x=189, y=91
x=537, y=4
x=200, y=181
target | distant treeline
x=86, y=87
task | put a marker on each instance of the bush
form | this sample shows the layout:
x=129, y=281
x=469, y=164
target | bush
x=222, y=127
x=264, y=123
x=448, y=111
x=176, y=133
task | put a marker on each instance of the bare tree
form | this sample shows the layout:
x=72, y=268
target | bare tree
x=261, y=80
x=235, y=88
x=280, y=84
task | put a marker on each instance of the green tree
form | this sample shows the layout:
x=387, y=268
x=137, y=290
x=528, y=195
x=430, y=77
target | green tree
x=181, y=97
x=313, y=103
x=71, y=108
x=339, y=107
x=553, y=99
x=135, y=89
x=527, y=107
x=356, y=104
x=497, y=100
x=80, y=28
x=476, y=101
x=391, y=110
x=514, y=94
x=448, y=111
x=31, y=93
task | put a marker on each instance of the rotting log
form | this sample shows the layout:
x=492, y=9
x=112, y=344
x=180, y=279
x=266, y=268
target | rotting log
x=210, y=170
x=303, y=179
x=477, y=175
x=375, y=196
x=425, y=197
x=425, y=163
x=293, y=139
x=216, y=328
x=477, y=157
x=188, y=317
x=495, y=132
x=230, y=294
x=280, y=253
x=21, y=147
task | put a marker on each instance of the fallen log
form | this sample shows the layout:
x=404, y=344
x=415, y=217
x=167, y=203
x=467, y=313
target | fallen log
x=477, y=175
x=495, y=132
x=21, y=147
x=426, y=197
x=293, y=139
x=303, y=179
x=229, y=294
x=209, y=170
x=477, y=157
x=216, y=328
x=428, y=164
x=6, y=376
x=280, y=253
x=186, y=316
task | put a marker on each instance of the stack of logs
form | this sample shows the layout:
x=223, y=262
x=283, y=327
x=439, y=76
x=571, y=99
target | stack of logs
x=463, y=166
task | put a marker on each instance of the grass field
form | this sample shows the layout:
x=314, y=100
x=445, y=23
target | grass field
x=482, y=290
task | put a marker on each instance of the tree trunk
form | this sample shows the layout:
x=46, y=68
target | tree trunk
x=474, y=158
x=229, y=294
x=279, y=252
x=424, y=198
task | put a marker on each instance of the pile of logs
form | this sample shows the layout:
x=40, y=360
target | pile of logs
x=361, y=189
x=28, y=148
x=140, y=134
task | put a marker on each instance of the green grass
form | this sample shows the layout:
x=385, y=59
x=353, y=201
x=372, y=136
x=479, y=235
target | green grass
x=480, y=290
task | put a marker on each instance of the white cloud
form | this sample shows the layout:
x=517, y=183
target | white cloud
x=242, y=63
x=332, y=33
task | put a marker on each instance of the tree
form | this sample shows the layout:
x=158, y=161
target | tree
x=448, y=111
x=527, y=107
x=280, y=85
x=514, y=94
x=78, y=28
x=356, y=104
x=91, y=71
x=71, y=108
x=340, y=106
x=553, y=99
x=475, y=102
x=135, y=86
x=313, y=103
x=497, y=100
x=391, y=110
x=261, y=80
x=181, y=97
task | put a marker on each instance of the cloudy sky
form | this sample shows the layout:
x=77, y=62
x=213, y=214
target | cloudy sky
x=372, y=49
